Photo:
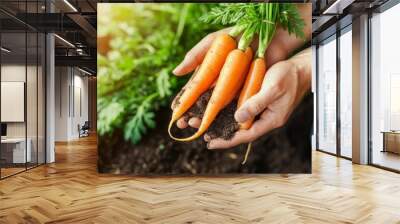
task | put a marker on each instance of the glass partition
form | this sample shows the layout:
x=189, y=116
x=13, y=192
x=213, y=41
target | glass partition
x=32, y=85
x=32, y=96
x=14, y=151
x=346, y=92
x=327, y=95
x=22, y=77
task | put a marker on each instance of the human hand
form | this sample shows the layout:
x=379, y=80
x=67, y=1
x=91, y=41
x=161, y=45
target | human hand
x=283, y=88
x=281, y=46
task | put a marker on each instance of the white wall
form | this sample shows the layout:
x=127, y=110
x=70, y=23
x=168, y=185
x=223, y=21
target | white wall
x=33, y=127
x=62, y=81
x=70, y=83
x=79, y=117
x=15, y=73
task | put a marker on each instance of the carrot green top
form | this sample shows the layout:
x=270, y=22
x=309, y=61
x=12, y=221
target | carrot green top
x=257, y=18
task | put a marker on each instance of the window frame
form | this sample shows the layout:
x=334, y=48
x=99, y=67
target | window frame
x=333, y=37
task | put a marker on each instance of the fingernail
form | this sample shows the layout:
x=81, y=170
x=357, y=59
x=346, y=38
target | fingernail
x=191, y=122
x=176, y=70
x=209, y=146
x=241, y=116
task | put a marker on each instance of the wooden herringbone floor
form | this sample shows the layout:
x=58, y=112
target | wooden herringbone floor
x=71, y=191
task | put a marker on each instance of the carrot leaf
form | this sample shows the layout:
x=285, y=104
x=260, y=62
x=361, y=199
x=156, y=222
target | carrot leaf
x=257, y=18
x=290, y=19
x=226, y=14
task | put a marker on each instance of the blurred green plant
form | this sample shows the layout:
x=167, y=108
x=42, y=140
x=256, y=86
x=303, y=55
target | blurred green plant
x=134, y=78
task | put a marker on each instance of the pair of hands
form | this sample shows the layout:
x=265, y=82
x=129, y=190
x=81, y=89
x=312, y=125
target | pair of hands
x=284, y=85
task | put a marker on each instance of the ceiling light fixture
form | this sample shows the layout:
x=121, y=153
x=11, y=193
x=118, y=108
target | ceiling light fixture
x=84, y=71
x=5, y=50
x=337, y=7
x=65, y=41
x=70, y=5
x=80, y=51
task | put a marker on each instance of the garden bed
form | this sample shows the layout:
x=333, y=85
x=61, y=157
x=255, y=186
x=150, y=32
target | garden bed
x=285, y=150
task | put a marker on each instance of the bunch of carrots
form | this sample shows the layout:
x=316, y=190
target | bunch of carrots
x=233, y=65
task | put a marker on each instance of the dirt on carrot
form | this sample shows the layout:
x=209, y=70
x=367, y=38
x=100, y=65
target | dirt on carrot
x=176, y=102
x=197, y=110
x=205, y=77
x=224, y=126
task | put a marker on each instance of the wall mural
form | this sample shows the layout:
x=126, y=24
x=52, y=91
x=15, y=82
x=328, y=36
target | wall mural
x=190, y=88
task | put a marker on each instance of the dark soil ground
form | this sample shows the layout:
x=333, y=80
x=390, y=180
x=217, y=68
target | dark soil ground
x=284, y=150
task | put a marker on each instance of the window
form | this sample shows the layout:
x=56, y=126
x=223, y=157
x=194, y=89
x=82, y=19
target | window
x=346, y=74
x=327, y=95
x=385, y=89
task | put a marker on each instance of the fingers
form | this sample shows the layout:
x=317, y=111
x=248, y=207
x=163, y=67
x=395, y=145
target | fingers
x=195, y=56
x=265, y=124
x=181, y=123
x=272, y=88
x=254, y=105
x=193, y=122
x=219, y=143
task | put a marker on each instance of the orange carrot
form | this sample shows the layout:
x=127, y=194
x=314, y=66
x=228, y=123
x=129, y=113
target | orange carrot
x=231, y=79
x=206, y=75
x=252, y=85
x=255, y=77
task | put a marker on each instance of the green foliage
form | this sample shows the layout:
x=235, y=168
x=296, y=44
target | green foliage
x=149, y=40
x=258, y=18
x=228, y=14
x=290, y=19
x=135, y=78
x=143, y=118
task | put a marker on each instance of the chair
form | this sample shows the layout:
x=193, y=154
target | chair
x=84, y=130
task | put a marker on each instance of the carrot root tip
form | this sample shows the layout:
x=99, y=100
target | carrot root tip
x=169, y=128
x=196, y=135
x=247, y=153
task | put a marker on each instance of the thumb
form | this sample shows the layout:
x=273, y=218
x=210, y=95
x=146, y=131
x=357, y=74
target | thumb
x=272, y=88
x=255, y=105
